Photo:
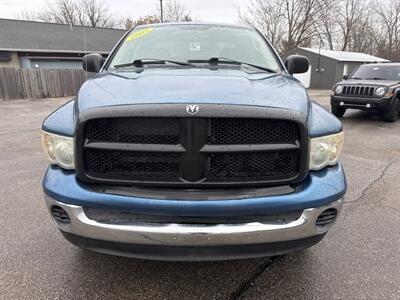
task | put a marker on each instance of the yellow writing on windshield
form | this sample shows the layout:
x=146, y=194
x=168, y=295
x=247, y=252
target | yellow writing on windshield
x=138, y=34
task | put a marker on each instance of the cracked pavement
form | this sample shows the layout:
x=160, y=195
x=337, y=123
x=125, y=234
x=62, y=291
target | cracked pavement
x=358, y=259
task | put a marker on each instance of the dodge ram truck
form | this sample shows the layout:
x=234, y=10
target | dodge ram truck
x=193, y=142
x=373, y=87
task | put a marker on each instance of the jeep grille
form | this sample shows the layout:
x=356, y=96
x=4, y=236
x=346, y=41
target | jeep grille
x=358, y=91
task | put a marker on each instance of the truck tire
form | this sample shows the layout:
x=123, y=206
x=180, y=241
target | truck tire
x=392, y=114
x=338, y=111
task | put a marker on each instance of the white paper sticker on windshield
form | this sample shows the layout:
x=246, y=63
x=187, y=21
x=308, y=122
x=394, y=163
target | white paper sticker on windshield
x=195, y=47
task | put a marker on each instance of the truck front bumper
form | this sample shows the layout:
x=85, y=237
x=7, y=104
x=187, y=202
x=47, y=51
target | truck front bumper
x=322, y=191
x=193, y=241
x=361, y=103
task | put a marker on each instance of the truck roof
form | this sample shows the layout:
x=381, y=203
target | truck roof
x=195, y=23
x=387, y=64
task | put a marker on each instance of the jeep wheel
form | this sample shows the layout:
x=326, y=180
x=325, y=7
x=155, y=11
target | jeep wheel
x=338, y=111
x=392, y=114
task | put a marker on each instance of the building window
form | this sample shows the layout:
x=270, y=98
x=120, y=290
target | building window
x=5, y=56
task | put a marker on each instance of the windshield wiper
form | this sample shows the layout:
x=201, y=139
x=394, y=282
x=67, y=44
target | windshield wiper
x=139, y=63
x=217, y=60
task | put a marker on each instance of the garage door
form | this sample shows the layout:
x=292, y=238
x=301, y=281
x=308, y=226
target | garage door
x=304, y=78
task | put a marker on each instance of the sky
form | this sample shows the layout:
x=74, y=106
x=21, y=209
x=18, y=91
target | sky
x=224, y=11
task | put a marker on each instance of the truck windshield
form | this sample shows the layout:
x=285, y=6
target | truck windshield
x=388, y=72
x=195, y=43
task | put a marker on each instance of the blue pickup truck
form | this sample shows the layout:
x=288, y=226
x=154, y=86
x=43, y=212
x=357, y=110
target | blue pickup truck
x=193, y=142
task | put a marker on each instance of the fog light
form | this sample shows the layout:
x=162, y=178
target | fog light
x=341, y=103
x=326, y=217
x=60, y=216
x=368, y=105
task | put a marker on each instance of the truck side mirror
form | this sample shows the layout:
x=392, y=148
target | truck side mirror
x=297, y=64
x=92, y=62
x=345, y=77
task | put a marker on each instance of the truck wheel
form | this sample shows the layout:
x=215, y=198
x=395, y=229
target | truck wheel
x=392, y=114
x=338, y=111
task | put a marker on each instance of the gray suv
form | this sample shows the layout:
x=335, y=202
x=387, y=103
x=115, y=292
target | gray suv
x=369, y=87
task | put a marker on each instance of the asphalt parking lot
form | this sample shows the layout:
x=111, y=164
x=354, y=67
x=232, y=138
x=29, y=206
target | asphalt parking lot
x=358, y=259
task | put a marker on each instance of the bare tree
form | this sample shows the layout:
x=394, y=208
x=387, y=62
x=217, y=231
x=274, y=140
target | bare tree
x=128, y=23
x=370, y=26
x=150, y=19
x=350, y=12
x=347, y=25
x=289, y=22
x=27, y=14
x=125, y=23
x=94, y=13
x=326, y=26
x=389, y=14
x=300, y=17
x=61, y=11
x=267, y=17
x=174, y=11
x=362, y=36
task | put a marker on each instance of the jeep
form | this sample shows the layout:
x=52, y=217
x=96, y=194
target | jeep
x=370, y=87
x=193, y=142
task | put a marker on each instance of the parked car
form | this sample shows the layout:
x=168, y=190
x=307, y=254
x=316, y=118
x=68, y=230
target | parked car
x=370, y=87
x=193, y=142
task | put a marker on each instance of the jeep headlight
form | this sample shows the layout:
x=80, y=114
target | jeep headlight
x=59, y=150
x=380, y=91
x=325, y=150
x=339, y=89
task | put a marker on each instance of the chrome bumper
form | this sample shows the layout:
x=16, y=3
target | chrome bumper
x=193, y=235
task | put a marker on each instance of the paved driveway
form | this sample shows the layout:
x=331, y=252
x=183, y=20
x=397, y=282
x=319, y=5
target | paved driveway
x=359, y=258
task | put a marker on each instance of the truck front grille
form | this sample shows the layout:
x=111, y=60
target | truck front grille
x=191, y=152
x=127, y=165
x=358, y=91
x=251, y=131
x=135, y=130
x=252, y=165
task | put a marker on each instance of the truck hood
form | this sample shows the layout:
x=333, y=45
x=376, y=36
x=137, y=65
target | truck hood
x=181, y=85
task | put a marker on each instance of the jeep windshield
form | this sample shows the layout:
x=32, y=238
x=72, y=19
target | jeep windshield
x=375, y=72
x=191, y=45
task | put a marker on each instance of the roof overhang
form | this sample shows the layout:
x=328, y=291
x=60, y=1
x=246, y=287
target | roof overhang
x=233, y=25
x=66, y=58
x=342, y=59
x=54, y=51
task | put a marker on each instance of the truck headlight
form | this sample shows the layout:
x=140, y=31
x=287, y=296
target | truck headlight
x=380, y=91
x=325, y=150
x=339, y=89
x=59, y=150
